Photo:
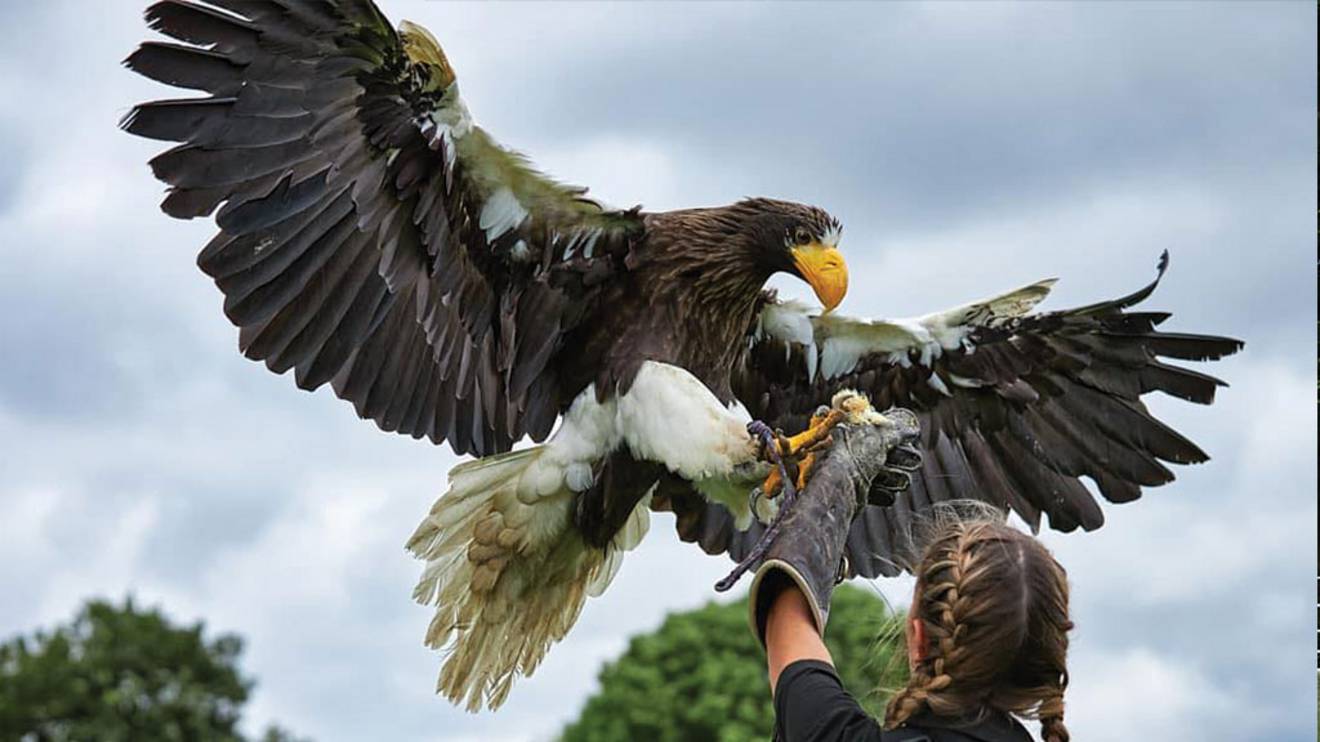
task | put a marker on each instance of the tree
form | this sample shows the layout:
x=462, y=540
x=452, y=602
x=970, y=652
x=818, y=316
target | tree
x=702, y=676
x=121, y=673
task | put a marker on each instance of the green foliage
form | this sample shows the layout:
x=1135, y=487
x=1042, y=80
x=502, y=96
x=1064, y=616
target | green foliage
x=702, y=676
x=120, y=673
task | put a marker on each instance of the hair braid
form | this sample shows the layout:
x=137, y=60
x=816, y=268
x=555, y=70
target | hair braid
x=1050, y=713
x=993, y=605
x=946, y=566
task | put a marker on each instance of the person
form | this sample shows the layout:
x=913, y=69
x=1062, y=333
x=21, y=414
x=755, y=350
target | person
x=987, y=636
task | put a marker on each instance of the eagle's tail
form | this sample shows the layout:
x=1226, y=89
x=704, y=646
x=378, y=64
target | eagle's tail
x=507, y=570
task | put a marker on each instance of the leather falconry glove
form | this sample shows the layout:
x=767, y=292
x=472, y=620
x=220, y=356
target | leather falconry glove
x=867, y=461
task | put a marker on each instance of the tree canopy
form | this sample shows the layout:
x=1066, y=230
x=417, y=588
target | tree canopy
x=702, y=676
x=123, y=673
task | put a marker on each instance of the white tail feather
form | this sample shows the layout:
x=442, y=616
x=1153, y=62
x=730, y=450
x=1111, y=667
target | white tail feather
x=506, y=570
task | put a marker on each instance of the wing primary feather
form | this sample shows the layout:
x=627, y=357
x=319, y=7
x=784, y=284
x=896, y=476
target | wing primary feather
x=197, y=24
x=256, y=293
x=286, y=340
x=186, y=67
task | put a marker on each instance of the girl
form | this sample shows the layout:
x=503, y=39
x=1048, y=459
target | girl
x=987, y=639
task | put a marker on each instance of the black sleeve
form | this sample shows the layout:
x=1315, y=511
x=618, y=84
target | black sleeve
x=812, y=706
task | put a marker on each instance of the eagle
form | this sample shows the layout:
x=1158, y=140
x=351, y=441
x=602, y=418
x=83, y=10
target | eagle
x=374, y=238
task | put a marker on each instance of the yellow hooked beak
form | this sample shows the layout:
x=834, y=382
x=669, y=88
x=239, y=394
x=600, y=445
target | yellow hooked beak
x=824, y=269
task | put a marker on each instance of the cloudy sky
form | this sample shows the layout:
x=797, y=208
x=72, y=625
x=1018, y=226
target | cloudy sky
x=967, y=149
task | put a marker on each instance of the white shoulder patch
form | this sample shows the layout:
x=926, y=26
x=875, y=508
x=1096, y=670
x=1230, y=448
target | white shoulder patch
x=789, y=322
x=951, y=326
x=452, y=117
x=844, y=341
x=447, y=123
x=584, y=240
x=501, y=213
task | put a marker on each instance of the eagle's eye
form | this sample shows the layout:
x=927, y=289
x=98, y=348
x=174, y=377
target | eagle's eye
x=801, y=236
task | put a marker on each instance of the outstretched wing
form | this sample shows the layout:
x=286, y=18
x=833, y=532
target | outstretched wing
x=1015, y=408
x=370, y=235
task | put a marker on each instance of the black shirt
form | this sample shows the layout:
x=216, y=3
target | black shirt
x=812, y=706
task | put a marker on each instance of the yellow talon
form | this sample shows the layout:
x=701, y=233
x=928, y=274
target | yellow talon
x=770, y=487
x=817, y=433
x=804, y=470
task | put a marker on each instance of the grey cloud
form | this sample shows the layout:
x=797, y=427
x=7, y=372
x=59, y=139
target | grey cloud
x=195, y=522
x=909, y=119
x=14, y=161
x=968, y=148
x=58, y=362
x=939, y=109
x=1178, y=564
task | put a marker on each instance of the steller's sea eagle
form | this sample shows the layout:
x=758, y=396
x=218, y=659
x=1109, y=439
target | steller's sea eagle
x=374, y=238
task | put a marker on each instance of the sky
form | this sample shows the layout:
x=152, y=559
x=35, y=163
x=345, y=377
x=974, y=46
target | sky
x=967, y=148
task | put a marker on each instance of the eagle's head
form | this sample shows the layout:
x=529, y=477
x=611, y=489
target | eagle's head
x=801, y=240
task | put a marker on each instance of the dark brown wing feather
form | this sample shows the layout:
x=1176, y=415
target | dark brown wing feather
x=350, y=247
x=1039, y=403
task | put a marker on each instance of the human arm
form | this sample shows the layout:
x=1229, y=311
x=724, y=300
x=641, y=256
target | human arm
x=791, y=634
x=790, y=597
x=807, y=552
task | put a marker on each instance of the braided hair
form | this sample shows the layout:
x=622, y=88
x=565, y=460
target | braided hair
x=994, y=606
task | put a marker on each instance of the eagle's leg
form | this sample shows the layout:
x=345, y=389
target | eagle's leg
x=773, y=450
x=619, y=485
x=780, y=451
x=800, y=449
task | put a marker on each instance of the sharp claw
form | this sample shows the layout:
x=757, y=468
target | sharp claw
x=894, y=476
x=783, y=452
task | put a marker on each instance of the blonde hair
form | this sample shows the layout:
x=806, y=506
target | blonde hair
x=994, y=605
